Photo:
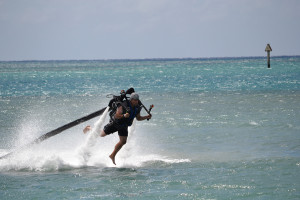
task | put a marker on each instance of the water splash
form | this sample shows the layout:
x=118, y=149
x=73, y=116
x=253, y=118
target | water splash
x=89, y=150
x=84, y=151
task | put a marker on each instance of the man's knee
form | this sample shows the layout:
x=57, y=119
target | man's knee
x=123, y=141
x=103, y=134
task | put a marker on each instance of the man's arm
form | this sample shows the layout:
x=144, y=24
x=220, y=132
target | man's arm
x=141, y=118
x=119, y=113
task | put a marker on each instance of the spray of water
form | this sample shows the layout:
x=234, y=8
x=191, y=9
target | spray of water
x=84, y=151
x=87, y=150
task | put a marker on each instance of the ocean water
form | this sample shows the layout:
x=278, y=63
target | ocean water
x=222, y=128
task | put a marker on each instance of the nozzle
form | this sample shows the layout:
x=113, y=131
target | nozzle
x=129, y=91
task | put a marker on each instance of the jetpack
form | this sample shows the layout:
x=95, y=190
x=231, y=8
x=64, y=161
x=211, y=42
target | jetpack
x=115, y=102
x=112, y=104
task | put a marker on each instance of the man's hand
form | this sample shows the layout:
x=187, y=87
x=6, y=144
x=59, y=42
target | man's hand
x=126, y=115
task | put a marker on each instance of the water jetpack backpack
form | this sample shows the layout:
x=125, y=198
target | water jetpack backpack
x=116, y=101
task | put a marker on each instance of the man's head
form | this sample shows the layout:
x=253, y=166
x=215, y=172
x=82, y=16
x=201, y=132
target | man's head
x=134, y=99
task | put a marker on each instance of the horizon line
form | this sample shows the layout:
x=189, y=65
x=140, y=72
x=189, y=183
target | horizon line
x=136, y=59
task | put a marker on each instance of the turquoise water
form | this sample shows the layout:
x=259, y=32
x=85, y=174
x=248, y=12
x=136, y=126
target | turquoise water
x=222, y=128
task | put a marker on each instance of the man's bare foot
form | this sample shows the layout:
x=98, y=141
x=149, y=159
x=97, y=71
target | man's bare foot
x=113, y=159
x=86, y=129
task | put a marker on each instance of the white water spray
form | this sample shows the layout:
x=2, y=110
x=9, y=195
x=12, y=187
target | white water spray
x=91, y=139
x=46, y=158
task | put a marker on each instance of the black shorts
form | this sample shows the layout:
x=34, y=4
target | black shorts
x=112, y=127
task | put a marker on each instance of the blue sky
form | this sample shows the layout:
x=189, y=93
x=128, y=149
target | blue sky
x=130, y=29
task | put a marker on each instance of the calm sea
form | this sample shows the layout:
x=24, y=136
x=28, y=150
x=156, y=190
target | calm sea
x=222, y=128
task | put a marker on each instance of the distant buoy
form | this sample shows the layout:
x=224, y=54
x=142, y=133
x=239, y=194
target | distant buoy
x=268, y=50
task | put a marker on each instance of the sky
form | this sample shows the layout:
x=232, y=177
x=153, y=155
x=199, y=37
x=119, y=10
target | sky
x=139, y=29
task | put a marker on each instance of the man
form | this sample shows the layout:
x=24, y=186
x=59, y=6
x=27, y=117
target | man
x=124, y=116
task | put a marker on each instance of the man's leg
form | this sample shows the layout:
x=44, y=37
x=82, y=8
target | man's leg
x=88, y=128
x=119, y=145
x=103, y=134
